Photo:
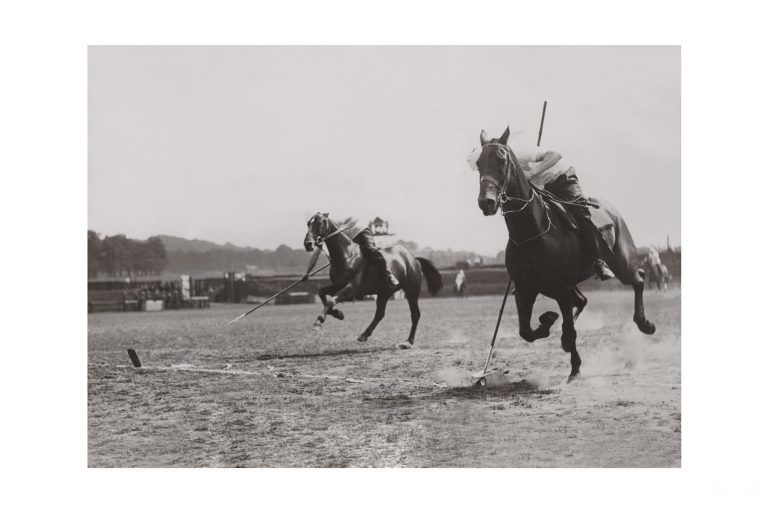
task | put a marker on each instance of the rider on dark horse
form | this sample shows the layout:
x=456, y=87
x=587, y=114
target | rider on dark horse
x=546, y=170
x=363, y=237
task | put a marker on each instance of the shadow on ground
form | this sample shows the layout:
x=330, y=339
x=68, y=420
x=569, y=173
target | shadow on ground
x=317, y=355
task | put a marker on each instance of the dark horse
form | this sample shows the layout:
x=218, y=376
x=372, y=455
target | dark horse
x=350, y=278
x=543, y=251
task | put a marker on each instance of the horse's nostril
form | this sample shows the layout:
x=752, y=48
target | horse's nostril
x=486, y=202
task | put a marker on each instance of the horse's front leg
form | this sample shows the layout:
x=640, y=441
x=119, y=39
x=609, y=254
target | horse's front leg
x=330, y=303
x=524, y=299
x=323, y=294
x=568, y=338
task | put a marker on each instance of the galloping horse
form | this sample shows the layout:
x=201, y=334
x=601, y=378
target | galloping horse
x=543, y=251
x=350, y=278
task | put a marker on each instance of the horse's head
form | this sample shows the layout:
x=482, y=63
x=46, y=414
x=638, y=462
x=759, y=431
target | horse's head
x=496, y=164
x=318, y=227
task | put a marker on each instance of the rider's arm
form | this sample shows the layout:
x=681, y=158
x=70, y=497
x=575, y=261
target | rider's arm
x=543, y=160
x=312, y=261
x=546, y=158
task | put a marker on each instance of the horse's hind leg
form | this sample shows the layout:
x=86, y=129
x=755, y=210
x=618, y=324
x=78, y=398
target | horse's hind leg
x=635, y=277
x=381, y=307
x=413, y=303
x=579, y=301
x=621, y=263
x=568, y=338
x=524, y=299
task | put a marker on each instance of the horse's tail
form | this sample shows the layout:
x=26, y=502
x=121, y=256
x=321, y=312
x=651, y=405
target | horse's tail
x=434, y=279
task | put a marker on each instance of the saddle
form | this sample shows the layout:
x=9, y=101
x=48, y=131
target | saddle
x=600, y=218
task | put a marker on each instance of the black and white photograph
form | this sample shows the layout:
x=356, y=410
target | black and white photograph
x=384, y=256
x=396, y=256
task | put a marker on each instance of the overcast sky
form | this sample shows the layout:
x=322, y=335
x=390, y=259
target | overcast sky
x=242, y=144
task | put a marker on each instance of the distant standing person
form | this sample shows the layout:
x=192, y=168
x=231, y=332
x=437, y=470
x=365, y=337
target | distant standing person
x=461, y=282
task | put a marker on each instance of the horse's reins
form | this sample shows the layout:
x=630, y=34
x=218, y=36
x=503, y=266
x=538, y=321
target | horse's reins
x=321, y=239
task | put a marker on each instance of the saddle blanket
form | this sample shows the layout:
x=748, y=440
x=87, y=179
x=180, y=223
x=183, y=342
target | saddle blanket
x=604, y=223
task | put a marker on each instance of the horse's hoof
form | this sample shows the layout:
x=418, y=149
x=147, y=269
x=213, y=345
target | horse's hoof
x=573, y=376
x=335, y=313
x=647, y=327
x=548, y=318
x=404, y=345
x=362, y=338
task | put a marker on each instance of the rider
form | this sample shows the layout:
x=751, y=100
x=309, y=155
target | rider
x=546, y=169
x=363, y=237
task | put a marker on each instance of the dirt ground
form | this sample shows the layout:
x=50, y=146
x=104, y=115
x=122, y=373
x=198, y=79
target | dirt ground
x=292, y=396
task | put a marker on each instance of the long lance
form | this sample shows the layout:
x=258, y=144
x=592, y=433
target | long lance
x=278, y=294
x=541, y=126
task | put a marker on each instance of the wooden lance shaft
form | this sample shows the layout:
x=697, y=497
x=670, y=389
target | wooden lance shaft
x=541, y=126
x=495, y=331
x=279, y=293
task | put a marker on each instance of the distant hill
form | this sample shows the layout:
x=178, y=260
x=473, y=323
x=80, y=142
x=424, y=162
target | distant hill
x=175, y=243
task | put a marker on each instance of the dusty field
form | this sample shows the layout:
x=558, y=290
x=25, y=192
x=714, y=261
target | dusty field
x=307, y=398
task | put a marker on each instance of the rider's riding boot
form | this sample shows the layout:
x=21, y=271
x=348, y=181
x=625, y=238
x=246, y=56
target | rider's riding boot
x=592, y=238
x=390, y=280
x=381, y=265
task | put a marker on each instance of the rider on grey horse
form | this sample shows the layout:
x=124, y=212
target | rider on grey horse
x=363, y=237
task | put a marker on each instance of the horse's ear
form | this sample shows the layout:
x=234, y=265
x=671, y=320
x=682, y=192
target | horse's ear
x=326, y=214
x=483, y=138
x=504, y=136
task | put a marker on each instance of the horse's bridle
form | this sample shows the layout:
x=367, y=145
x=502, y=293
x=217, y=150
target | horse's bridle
x=502, y=197
x=322, y=238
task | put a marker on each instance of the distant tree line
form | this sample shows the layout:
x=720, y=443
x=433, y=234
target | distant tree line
x=281, y=260
x=116, y=256
x=450, y=258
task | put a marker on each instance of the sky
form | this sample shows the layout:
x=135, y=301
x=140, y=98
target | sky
x=243, y=144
